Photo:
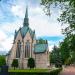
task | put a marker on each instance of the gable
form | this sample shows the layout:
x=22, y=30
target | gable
x=28, y=37
x=24, y=31
x=18, y=36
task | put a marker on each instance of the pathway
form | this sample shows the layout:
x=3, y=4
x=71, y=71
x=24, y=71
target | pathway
x=68, y=71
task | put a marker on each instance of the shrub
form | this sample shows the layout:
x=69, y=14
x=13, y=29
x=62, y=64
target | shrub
x=15, y=63
x=2, y=61
x=55, y=72
x=31, y=63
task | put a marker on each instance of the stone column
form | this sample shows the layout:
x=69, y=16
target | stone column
x=21, y=57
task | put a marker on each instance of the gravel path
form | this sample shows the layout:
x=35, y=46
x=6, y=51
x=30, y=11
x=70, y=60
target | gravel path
x=68, y=71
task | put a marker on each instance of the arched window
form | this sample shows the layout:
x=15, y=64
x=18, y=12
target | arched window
x=18, y=49
x=27, y=50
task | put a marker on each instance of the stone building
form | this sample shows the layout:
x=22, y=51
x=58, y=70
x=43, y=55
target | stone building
x=26, y=45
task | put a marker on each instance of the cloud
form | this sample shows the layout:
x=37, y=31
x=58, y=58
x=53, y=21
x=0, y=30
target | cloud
x=53, y=42
x=7, y=34
x=36, y=11
x=45, y=28
x=51, y=47
x=11, y=27
x=43, y=25
x=2, y=36
x=18, y=10
x=38, y=20
x=5, y=42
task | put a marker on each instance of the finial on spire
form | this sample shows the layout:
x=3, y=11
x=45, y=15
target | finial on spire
x=26, y=20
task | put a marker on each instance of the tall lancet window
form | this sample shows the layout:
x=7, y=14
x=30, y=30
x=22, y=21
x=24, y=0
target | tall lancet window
x=18, y=49
x=27, y=50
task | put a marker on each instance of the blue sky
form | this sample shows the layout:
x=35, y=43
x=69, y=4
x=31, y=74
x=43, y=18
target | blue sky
x=12, y=13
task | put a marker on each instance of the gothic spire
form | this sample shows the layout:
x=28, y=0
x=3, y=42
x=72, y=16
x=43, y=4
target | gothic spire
x=26, y=20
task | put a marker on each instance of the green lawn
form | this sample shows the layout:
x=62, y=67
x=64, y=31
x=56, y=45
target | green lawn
x=30, y=70
x=35, y=72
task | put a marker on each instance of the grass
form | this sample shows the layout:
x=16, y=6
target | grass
x=34, y=72
x=30, y=70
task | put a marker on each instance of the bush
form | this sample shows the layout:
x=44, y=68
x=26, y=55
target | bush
x=31, y=63
x=2, y=61
x=58, y=65
x=15, y=63
x=55, y=72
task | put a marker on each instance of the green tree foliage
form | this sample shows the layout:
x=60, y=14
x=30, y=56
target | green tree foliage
x=73, y=57
x=31, y=63
x=55, y=57
x=72, y=43
x=52, y=57
x=68, y=12
x=65, y=50
x=67, y=18
x=2, y=60
x=68, y=61
x=15, y=63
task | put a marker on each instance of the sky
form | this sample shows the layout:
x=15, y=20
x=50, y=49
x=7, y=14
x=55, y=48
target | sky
x=12, y=13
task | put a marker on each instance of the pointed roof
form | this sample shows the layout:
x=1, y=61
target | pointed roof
x=26, y=20
x=26, y=14
x=23, y=30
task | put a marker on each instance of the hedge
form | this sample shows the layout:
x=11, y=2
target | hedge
x=53, y=72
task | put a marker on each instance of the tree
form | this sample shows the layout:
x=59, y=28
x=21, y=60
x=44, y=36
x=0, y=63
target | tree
x=52, y=58
x=31, y=63
x=2, y=60
x=72, y=57
x=55, y=57
x=67, y=18
x=67, y=15
x=68, y=49
x=65, y=50
x=15, y=63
